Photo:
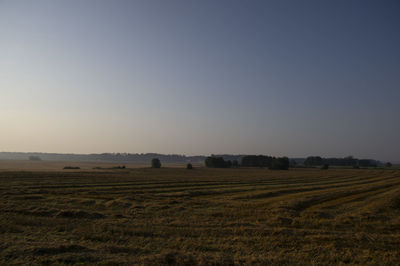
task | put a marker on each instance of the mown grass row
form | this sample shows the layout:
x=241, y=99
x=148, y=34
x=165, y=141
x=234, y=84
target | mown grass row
x=204, y=216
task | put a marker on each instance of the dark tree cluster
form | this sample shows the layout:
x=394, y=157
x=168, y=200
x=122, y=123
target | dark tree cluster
x=281, y=163
x=273, y=163
x=346, y=161
x=217, y=162
x=119, y=167
x=368, y=163
x=72, y=167
x=235, y=164
x=312, y=161
x=249, y=161
x=256, y=161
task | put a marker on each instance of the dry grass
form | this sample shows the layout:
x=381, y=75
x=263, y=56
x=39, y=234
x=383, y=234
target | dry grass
x=200, y=217
x=26, y=165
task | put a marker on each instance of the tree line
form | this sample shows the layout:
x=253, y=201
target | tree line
x=280, y=163
x=312, y=161
x=274, y=163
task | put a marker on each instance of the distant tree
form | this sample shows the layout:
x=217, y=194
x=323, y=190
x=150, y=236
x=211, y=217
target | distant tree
x=325, y=167
x=189, y=166
x=388, y=164
x=293, y=163
x=155, y=163
x=235, y=163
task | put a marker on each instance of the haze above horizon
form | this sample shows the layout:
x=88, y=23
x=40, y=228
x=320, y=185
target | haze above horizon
x=283, y=78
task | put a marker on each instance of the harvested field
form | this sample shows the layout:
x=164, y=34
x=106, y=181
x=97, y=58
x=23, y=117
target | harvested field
x=202, y=216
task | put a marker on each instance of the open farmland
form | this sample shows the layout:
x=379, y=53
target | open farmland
x=205, y=216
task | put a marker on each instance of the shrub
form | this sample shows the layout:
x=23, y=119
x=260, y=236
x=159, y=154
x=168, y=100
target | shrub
x=155, y=163
x=189, y=166
x=325, y=167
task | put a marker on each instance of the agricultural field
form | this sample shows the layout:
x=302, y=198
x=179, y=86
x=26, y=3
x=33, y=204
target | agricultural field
x=200, y=217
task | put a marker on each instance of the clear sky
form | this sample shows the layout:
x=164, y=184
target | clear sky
x=292, y=78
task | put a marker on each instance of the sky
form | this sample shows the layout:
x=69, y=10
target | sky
x=293, y=78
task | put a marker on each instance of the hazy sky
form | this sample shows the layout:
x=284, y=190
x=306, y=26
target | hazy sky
x=291, y=78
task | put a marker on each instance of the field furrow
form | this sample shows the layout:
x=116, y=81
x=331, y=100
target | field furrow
x=204, y=216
